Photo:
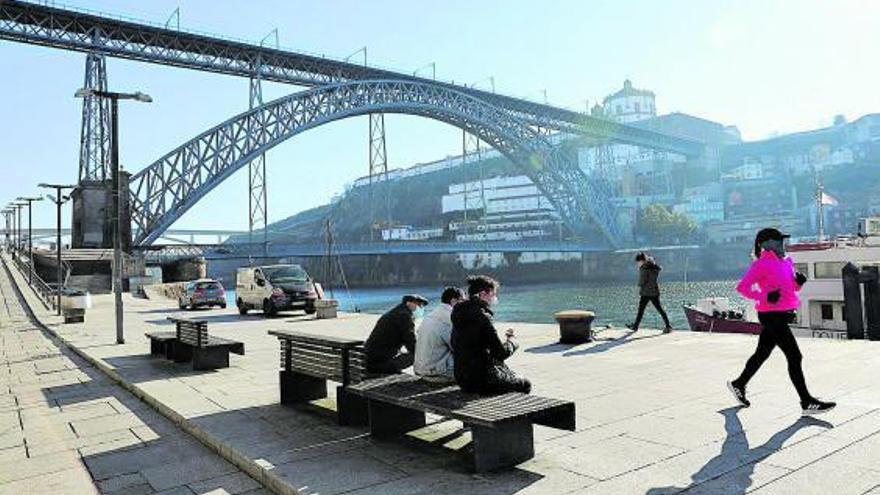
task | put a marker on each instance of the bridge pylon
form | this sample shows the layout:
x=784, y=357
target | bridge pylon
x=92, y=199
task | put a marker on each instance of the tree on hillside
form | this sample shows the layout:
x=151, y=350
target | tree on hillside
x=662, y=226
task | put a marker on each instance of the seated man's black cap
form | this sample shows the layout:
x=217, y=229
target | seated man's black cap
x=416, y=299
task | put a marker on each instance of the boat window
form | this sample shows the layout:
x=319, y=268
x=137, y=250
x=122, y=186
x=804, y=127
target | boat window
x=827, y=312
x=828, y=269
x=803, y=268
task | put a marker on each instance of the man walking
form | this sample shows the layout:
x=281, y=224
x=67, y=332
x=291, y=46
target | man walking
x=395, y=329
x=649, y=290
x=478, y=352
x=434, y=360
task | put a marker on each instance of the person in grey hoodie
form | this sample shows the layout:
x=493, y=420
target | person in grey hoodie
x=433, y=360
x=649, y=290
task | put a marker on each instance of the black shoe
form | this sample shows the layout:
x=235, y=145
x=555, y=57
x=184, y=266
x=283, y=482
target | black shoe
x=739, y=393
x=632, y=326
x=668, y=329
x=816, y=406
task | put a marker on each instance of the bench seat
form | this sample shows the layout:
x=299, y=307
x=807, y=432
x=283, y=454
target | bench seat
x=501, y=425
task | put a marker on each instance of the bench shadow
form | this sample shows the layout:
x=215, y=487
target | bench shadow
x=730, y=472
x=609, y=344
x=549, y=348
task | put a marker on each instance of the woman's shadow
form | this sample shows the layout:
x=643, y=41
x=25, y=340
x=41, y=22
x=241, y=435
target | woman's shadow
x=737, y=455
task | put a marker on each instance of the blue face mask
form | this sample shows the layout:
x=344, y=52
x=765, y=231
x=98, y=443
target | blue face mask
x=419, y=312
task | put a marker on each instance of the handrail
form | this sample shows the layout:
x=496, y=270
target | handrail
x=42, y=289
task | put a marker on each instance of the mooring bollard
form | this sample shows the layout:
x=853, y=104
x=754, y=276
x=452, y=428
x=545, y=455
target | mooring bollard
x=852, y=302
x=857, y=311
x=871, y=279
x=574, y=326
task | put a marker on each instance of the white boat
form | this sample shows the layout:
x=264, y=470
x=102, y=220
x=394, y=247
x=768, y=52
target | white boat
x=821, y=309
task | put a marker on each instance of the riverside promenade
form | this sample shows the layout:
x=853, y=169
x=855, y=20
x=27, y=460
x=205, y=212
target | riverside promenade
x=653, y=414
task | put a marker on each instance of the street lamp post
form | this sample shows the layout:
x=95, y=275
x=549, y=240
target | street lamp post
x=18, y=241
x=58, y=199
x=114, y=158
x=6, y=223
x=30, y=202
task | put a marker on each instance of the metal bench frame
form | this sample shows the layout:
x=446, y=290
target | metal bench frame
x=308, y=361
x=501, y=425
x=192, y=343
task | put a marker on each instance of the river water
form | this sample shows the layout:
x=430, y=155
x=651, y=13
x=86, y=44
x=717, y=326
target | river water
x=614, y=304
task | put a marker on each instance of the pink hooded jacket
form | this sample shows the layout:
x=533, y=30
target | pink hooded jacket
x=770, y=273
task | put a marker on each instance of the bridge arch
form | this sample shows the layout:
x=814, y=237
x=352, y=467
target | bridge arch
x=165, y=190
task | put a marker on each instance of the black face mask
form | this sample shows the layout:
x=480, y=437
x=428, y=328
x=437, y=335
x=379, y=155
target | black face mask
x=774, y=245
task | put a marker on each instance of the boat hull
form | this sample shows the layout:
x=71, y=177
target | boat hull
x=701, y=322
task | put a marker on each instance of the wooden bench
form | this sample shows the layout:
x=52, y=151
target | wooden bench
x=501, y=425
x=308, y=361
x=192, y=343
x=161, y=343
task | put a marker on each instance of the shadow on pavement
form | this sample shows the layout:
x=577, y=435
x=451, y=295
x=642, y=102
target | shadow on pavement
x=608, y=344
x=730, y=472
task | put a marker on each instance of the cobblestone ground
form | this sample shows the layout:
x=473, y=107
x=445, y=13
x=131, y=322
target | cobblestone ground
x=65, y=428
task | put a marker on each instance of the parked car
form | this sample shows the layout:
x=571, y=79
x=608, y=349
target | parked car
x=202, y=292
x=274, y=288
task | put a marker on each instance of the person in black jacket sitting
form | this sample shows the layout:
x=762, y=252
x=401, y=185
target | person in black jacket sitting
x=394, y=329
x=479, y=353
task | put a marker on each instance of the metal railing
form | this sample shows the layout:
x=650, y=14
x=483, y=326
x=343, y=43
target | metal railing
x=46, y=293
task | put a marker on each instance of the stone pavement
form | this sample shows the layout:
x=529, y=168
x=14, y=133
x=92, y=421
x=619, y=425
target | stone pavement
x=653, y=414
x=65, y=428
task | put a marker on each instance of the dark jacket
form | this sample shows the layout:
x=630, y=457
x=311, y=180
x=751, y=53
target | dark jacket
x=475, y=344
x=648, y=274
x=394, y=329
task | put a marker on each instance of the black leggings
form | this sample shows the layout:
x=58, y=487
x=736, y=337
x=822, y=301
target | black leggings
x=643, y=303
x=775, y=332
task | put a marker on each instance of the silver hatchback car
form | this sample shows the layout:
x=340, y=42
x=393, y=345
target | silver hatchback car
x=202, y=292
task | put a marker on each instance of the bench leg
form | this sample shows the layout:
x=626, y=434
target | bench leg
x=210, y=358
x=181, y=353
x=157, y=347
x=296, y=388
x=387, y=420
x=351, y=410
x=506, y=445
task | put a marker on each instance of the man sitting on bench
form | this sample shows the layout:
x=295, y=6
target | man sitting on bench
x=394, y=329
x=478, y=352
x=433, y=345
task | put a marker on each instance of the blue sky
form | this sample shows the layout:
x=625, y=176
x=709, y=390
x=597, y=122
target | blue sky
x=765, y=66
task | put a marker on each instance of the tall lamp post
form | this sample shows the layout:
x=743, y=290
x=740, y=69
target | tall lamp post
x=18, y=241
x=8, y=212
x=30, y=203
x=58, y=199
x=114, y=158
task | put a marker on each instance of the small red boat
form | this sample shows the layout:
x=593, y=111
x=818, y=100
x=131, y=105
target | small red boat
x=714, y=314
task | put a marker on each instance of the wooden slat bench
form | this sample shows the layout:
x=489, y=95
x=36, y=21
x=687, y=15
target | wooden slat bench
x=308, y=361
x=207, y=352
x=161, y=343
x=501, y=425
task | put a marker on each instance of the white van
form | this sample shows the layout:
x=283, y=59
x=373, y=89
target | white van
x=274, y=288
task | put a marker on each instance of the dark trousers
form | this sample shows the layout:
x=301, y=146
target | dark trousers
x=776, y=332
x=643, y=303
x=499, y=380
x=396, y=364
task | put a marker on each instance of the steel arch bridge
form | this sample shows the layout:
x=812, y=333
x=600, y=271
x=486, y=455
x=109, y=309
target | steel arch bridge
x=165, y=190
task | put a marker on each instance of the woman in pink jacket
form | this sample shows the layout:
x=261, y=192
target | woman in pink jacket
x=772, y=283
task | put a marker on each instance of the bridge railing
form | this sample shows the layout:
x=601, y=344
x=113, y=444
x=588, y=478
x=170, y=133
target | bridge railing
x=46, y=293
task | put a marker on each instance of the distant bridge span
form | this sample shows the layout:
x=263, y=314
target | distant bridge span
x=89, y=32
